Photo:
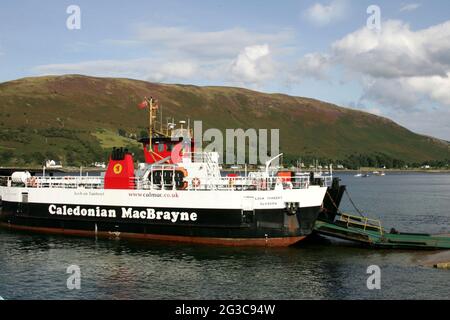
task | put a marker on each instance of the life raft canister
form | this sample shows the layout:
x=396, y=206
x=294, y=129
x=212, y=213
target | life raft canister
x=286, y=176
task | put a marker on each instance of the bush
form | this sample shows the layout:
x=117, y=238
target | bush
x=6, y=156
x=122, y=132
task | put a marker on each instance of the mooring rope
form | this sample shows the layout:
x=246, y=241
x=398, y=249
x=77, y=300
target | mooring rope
x=334, y=203
x=353, y=204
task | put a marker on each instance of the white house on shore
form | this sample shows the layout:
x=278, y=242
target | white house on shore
x=53, y=164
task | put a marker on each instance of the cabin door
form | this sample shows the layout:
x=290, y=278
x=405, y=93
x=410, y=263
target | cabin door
x=248, y=210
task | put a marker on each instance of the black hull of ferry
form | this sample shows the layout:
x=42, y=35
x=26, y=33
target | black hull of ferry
x=271, y=227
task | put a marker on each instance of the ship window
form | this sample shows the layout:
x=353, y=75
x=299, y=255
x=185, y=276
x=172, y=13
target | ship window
x=169, y=147
x=160, y=147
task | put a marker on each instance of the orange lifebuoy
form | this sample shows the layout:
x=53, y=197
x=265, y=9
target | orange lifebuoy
x=196, y=182
x=32, y=182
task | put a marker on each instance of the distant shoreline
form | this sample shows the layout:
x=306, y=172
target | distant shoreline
x=363, y=170
x=394, y=170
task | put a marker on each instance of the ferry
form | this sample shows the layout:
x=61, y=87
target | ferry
x=177, y=194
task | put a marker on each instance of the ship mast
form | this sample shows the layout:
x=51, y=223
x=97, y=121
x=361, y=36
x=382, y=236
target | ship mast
x=150, y=122
x=153, y=107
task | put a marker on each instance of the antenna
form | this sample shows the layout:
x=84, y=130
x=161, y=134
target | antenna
x=167, y=125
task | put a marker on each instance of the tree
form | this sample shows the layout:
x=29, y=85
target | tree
x=122, y=132
x=6, y=155
x=144, y=134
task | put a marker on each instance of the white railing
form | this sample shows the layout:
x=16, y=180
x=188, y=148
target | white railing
x=66, y=182
x=238, y=183
x=226, y=183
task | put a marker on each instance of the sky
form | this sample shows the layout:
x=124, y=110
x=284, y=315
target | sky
x=392, y=60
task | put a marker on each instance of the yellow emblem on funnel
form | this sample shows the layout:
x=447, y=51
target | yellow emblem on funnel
x=117, y=168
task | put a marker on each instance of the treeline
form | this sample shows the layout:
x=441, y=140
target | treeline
x=33, y=147
x=80, y=148
x=69, y=156
x=356, y=161
x=373, y=161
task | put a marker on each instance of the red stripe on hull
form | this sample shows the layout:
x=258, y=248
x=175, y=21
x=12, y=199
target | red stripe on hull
x=242, y=242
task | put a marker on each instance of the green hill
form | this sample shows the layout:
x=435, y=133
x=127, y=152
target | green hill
x=77, y=119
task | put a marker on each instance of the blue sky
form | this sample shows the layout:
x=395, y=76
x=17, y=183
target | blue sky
x=321, y=49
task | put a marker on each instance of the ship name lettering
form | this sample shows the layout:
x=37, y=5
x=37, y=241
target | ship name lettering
x=152, y=214
x=127, y=213
x=78, y=211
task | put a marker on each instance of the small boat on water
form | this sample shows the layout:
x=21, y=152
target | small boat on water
x=177, y=194
x=362, y=175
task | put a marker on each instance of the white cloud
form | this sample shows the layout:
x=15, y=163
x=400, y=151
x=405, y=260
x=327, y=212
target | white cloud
x=148, y=69
x=404, y=74
x=435, y=88
x=409, y=93
x=396, y=51
x=399, y=67
x=223, y=43
x=235, y=56
x=410, y=7
x=253, y=65
x=324, y=14
x=313, y=65
x=394, y=93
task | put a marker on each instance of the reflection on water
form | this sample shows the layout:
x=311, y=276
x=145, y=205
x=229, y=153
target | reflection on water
x=34, y=266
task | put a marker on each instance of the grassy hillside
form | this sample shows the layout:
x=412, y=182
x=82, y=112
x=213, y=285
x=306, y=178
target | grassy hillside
x=77, y=118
